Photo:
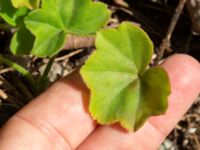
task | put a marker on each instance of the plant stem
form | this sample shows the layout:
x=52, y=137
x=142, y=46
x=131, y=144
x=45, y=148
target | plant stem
x=48, y=67
x=43, y=80
x=20, y=69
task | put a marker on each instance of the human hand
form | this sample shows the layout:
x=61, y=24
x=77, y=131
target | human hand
x=59, y=120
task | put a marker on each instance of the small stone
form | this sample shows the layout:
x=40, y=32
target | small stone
x=185, y=142
x=168, y=144
x=192, y=130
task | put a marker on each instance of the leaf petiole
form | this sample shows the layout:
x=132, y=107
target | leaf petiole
x=43, y=79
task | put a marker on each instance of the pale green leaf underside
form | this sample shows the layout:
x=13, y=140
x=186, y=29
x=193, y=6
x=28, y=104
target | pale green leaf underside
x=31, y=4
x=10, y=14
x=57, y=18
x=121, y=88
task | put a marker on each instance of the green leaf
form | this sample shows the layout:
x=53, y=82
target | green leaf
x=31, y=4
x=122, y=89
x=155, y=88
x=10, y=14
x=57, y=18
x=22, y=41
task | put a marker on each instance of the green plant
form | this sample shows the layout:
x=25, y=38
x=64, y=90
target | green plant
x=43, y=30
x=122, y=88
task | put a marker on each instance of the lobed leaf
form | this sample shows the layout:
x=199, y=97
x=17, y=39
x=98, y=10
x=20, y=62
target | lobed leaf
x=10, y=14
x=57, y=18
x=31, y=4
x=122, y=89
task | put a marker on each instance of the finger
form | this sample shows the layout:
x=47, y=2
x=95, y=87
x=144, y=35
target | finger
x=58, y=119
x=184, y=76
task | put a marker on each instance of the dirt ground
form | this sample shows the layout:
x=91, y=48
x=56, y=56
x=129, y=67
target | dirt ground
x=154, y=16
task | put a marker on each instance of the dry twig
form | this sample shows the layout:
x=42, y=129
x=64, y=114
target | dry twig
x=166, y=41
x=193, y=7
x=69, y=55
x=121, y=2
x=5, y=70
x=77, y=42
x=3, y=95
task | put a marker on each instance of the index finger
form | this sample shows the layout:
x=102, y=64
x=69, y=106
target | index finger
x=56, y=119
